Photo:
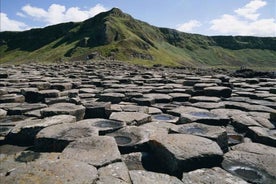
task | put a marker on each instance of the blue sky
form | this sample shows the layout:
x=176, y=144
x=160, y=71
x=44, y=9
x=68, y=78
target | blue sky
x=207, y=17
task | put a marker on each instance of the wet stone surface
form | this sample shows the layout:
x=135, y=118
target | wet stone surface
x=111, y=122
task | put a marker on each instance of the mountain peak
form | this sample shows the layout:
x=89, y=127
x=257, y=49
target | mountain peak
x=117, y=13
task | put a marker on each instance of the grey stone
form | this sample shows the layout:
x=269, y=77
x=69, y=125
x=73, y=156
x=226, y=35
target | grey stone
x=104, y=126
x=134, y=161
x=176, y=153
x=131, y=118
x=180, y=97
x=40, y=85
x=116, y=173
x=61, y=86
x=64, y=108
x=262, y=135
x=213, y=175
x=253, y=162
x=130, y=107
x=3, y=113
x=249, y=107
x=201, y=86
x=111, y=97
x=14, y=158
x=265, y=122
x=195, y=99
x=97, y=109
x=214, y=133
x=12, y=98
x=144, y=101
x=208, y=105
x=12, y=120
x=242, y=122
x=25, y=131
x=95, y=150
x=147, y=177
x=23, y=108
x=165, y=118
x=131, y=138
x=55, y=138
x=50, y=93
x=159, y=98
x=192, y=114
x=62, y=99
x=52, y=172
x=228, y=112
x=153, y=111
x=218, y=91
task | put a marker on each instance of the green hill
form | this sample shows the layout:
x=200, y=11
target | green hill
x=116, y=35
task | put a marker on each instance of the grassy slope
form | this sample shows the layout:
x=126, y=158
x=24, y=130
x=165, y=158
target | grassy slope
x=118, y=34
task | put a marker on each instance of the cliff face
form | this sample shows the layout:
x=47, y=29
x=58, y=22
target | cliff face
x=118, y=35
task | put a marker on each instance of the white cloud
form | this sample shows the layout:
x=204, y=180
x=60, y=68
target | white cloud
x=188, y=26
x=249, y=10
x=245, y=21
x=20, y=14
x=7, y=24
x=58, y=13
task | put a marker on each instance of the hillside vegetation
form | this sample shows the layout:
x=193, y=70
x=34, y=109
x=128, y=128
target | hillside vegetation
x=116, y=35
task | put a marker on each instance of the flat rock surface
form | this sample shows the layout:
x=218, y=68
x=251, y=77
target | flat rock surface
x=252, y=162
x=104, y=126
x=114, y=173
x=214, y=175
x=58, y=171
x=138, y=176
x=95, y=150
x=24, y=132
x=56, y=138
x=214, y=133
x=131, y=138
x=64, y=108
x=131, y=118
x=200, y=125
x=178, y=155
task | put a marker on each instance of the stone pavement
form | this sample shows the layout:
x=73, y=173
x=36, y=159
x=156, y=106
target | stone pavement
x=110, y=122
